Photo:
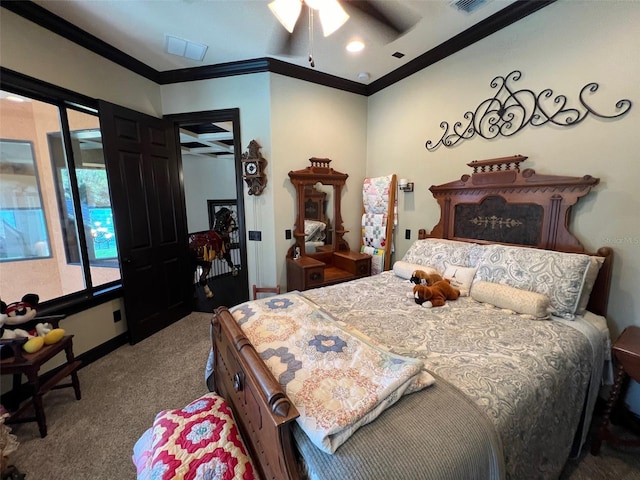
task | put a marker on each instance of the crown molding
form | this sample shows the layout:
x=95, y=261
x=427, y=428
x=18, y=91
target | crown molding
x=505, y=17
x=41, y=16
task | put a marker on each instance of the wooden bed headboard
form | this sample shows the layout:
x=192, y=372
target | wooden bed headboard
x=500, y=203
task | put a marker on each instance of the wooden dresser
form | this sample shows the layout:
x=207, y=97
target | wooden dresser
x=333, y=262
x=328, y=268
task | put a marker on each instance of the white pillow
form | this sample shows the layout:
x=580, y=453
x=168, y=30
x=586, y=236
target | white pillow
x=511, y=298
x=460, y=277
x=405, y=270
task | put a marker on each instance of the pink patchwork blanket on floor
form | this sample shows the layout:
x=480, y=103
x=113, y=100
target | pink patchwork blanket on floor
x=199, y=441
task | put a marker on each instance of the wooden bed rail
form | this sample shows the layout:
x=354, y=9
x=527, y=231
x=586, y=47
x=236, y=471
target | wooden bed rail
x=261, y=409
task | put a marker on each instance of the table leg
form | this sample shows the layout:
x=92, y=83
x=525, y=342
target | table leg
x=34, y=383
x=603, y=431
x=68, y=350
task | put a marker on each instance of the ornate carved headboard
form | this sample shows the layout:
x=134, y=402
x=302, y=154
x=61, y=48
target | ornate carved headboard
x=500, y=203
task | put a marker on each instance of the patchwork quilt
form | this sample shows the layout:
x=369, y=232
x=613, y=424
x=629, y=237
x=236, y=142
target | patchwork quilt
x=337, y=378
x=198, y=442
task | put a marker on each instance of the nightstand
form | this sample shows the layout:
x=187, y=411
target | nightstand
x=626, y=352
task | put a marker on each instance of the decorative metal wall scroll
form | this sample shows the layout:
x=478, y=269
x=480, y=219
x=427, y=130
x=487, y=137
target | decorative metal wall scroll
x=510, y=110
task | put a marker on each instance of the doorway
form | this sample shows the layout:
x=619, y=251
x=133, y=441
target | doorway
x=210, y=150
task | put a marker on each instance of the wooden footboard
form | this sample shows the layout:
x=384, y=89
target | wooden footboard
x=261, y=409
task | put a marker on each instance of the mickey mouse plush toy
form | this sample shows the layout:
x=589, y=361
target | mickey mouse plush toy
x=23, y=314
x=20, y=312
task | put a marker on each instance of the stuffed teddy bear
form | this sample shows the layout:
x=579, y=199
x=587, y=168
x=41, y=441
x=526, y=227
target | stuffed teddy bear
x=420, y=277
x=23, y=314
x=435, y=295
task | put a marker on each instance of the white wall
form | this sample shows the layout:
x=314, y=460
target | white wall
x=292, y=121
x=249, y=93
x=206, y=178
x=29, y=49
x=562, y=47
x=309, y=120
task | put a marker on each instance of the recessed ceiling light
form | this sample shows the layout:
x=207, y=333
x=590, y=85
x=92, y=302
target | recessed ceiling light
x=364, y=76
x=397, y=54
x=355, y=46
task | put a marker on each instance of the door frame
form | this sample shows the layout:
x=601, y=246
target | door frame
x=221, y=115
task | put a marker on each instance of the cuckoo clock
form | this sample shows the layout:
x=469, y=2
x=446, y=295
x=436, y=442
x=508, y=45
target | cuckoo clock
x=253, y=166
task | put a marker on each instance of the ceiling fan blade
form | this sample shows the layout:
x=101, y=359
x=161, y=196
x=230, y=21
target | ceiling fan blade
x=288, y=41
x=396, y=23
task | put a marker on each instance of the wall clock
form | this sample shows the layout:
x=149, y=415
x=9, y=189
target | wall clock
x=253, y=165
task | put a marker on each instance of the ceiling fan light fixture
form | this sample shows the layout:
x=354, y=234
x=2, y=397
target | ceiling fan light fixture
x=332, y=16
x=287, y=12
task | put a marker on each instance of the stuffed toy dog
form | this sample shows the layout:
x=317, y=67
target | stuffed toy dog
x=420, y=277
x=435, y=295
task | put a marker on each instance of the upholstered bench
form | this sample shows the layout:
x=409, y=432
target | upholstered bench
x=200, y=440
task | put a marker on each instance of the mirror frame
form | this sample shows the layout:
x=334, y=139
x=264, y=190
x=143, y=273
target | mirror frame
x=318, y=172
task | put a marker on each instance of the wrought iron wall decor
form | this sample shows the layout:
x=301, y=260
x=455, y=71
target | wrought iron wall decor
x=510, y=110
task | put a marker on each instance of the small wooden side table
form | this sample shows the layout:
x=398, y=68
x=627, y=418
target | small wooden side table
x=29, y=364
x=626, y=352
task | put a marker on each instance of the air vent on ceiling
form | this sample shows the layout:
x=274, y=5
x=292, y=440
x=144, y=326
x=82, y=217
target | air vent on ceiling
x=468, y=5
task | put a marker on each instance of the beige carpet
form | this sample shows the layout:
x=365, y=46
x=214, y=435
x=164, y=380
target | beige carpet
x=121, y=393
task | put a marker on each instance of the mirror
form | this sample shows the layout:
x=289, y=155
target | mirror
x=318, y=208
x=318, y=220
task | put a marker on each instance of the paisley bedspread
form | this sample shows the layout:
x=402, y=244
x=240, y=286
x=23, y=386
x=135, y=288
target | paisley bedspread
x=529, y=377
x=337, y=379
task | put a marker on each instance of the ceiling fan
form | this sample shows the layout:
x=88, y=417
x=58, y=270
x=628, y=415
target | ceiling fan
x=333, y=14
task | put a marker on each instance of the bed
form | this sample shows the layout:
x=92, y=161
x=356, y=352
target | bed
x=512, y=389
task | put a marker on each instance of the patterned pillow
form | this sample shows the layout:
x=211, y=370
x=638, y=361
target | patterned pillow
x=314, y=231
x=200, y=440
x=559, y=276
x=437, y=253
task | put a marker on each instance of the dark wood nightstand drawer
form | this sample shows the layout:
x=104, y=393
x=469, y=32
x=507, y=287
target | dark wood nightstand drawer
x=314, y=276
x=363, y=267
x=358, y=264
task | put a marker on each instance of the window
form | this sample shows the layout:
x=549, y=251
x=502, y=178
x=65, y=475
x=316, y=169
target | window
x=57, y=235
x=23, y=230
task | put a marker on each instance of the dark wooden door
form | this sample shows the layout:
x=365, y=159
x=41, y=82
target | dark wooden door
x=143, y=168
x=228, y=289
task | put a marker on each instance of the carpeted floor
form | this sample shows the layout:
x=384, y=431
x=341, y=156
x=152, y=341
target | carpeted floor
x=121, y=393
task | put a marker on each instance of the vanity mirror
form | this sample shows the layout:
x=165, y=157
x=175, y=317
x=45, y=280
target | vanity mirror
x=321, y=256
